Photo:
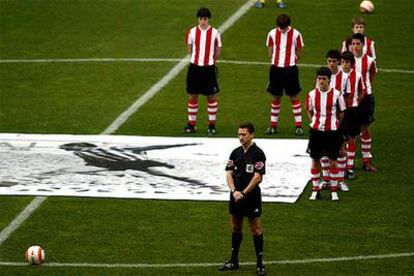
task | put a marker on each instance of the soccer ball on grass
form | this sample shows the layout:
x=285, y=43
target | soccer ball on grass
x=34, y=255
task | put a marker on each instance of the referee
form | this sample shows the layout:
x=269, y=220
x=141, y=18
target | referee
x=245, y=169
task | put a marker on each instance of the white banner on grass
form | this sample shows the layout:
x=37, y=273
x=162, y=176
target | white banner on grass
x=142, y=167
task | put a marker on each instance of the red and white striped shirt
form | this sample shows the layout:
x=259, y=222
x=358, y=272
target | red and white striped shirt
x=338, y=81
x=369, y=48
x=355, y=87
x=204, y=44
x=367, y=66
x=324, y=107
x=284, y=45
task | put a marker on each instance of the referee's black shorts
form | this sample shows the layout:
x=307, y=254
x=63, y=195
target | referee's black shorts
x=367, y=108
x=322, y=143
x=284, y=79
x=202, y=80
x=250, y=206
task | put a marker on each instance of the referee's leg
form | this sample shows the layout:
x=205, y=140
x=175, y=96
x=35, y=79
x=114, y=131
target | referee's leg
x=236, y=239
x=256, y=230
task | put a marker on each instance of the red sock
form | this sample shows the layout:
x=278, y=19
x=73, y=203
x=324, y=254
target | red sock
x=274, y=113
x=297, y=112
x=192, y=110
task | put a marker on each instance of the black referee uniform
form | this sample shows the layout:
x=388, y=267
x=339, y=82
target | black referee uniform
x=244, y=165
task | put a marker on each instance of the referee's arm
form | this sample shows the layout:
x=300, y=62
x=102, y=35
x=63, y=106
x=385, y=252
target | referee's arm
x=238, y=195
x=230, y=182
x=257, y=178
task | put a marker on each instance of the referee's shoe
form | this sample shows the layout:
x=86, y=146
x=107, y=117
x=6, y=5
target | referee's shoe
x=261, y=271
x=229, y=265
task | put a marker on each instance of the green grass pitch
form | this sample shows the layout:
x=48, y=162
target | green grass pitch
x=375, y=218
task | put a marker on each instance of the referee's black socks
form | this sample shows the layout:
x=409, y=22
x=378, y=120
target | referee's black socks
x=236, y=239
x=258, y=247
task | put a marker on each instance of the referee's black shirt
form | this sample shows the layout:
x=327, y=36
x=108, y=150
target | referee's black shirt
x=245, y=164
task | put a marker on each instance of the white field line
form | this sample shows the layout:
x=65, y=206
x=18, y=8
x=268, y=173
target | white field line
x=30, y=208
x=276, y=262
x=88, y=60
x=239, y=62
x=141, y=101
x=170, y=75
x=15, y=224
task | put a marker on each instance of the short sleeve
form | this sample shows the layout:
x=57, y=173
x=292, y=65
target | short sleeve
x=188, y=39
x=230, y=162
x=218, y=42
x=299, y=41
x=373, y=54
x=269, y=40
x=260, y=162
x=308, y=103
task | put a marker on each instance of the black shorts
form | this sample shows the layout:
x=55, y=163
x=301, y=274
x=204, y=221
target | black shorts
x=351, y=122
x=202, y=80
x=324, y=143
x=284, y=79
x=250, y=206
x=367, y=108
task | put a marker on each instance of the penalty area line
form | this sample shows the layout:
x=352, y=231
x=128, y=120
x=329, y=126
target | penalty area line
x=275, y=262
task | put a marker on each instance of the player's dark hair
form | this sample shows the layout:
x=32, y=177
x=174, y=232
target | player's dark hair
x=248, y=126
x=324, y=71
x=283, y=21
x=360, y=37
x=334, y=54
x=348, y=56
x=203, y=12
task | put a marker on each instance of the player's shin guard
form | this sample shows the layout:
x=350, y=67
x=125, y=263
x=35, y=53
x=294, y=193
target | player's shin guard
x=258, y=247
x=192, y=110
x=212, y=107
x=297, y=112
x=236, y=239
x=274, y=113
x=366, y=142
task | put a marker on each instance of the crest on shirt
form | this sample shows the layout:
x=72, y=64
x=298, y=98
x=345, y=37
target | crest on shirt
x=249, y=168
x=259, y=165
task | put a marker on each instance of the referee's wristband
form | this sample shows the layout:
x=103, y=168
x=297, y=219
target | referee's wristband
x=232, y=190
